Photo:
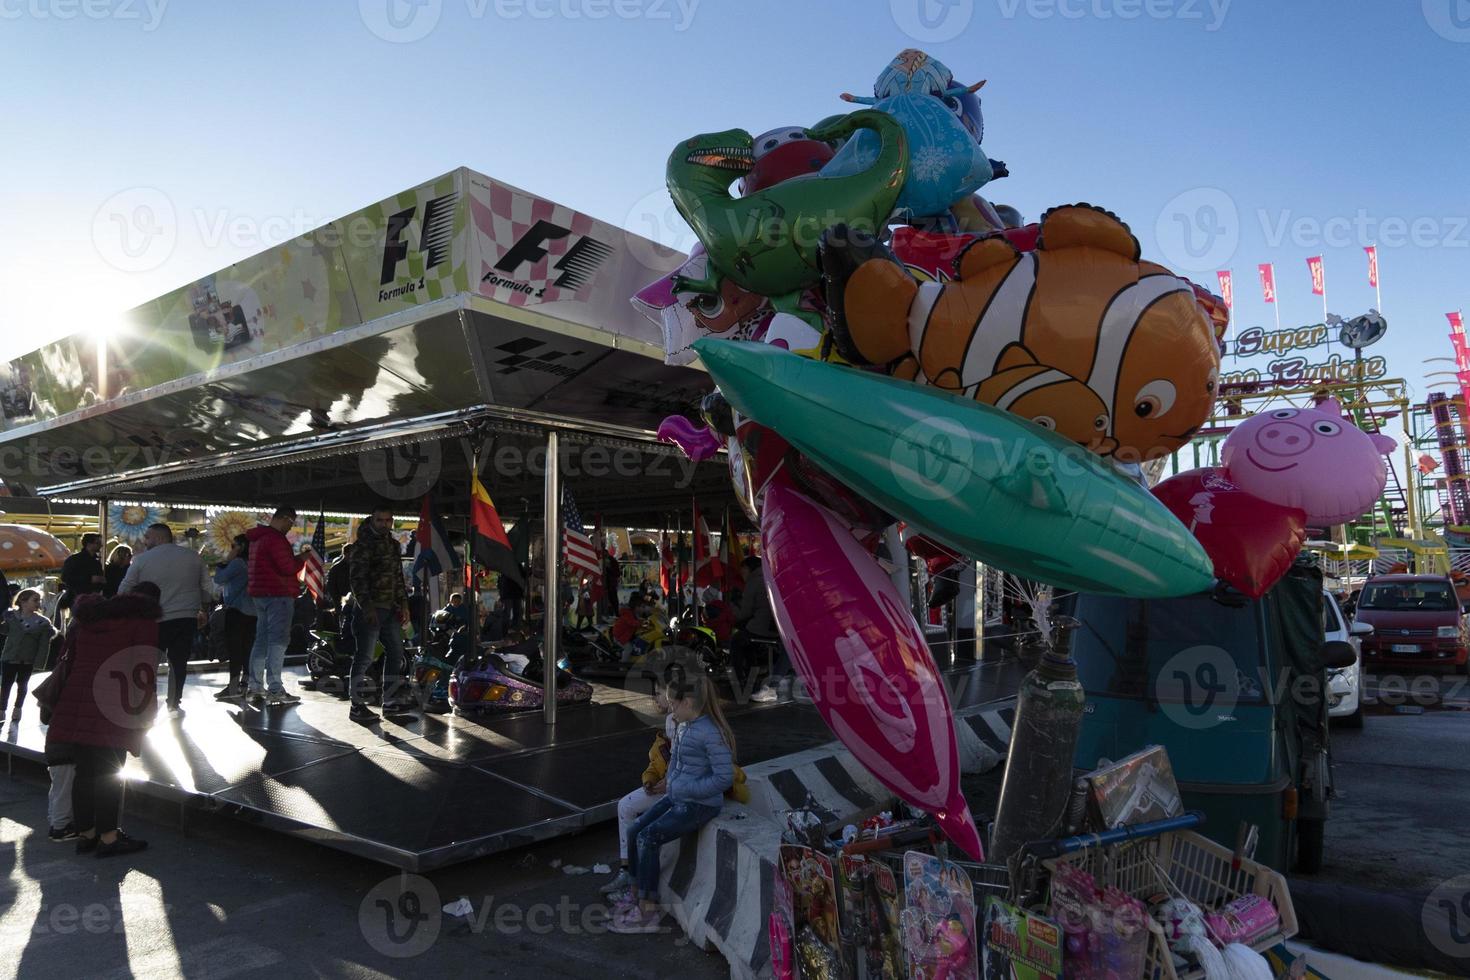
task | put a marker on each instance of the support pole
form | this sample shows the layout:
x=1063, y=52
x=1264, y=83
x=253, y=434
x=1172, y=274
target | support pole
x=472, y=591
x=551, y=642
x=101, y=524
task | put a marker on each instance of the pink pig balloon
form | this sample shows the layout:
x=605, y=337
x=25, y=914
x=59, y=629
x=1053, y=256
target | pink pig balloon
x=1310, y=458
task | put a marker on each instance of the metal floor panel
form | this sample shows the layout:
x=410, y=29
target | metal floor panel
x=396, y=801
x=423, y=791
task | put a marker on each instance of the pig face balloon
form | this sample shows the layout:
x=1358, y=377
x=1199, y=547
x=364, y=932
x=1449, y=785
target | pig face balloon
x=1310, y=458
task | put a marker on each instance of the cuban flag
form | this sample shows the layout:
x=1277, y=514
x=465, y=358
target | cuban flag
x=432, y=541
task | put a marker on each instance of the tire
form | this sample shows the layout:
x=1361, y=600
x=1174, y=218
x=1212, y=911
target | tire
x=1309, y=845
x=1354, y=720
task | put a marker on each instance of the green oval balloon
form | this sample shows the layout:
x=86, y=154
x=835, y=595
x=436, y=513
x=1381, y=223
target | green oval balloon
x=987, y=483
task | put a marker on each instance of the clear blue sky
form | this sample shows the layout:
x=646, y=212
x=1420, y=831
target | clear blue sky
x=270, y=113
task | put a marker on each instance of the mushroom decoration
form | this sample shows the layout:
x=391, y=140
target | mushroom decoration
x=29, y=549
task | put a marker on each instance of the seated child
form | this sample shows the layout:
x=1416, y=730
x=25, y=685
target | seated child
x=701, y=770
x=642, y=799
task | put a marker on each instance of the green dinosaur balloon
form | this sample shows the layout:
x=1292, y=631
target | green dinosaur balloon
x=767, y=241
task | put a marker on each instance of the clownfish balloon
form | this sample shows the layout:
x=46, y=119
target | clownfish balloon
x=1125, y=338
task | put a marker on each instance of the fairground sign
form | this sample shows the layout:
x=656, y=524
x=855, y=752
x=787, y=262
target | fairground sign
x=1298, y=370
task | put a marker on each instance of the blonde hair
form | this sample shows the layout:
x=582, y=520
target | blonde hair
x=700, y=688
x=119, y=551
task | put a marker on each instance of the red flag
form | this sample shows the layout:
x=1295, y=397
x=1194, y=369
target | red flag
x=1372, y=251
x=666, y=566
x=1268, y=282
x=1227, y=288
x=707, y=567
x=731, y=557
x=313, y=572
x=1319, y=278
x=1457, y=324
x=488, y=542
x=1428, y=464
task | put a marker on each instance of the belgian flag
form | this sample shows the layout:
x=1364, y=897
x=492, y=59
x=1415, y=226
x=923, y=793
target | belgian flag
x=488, y=542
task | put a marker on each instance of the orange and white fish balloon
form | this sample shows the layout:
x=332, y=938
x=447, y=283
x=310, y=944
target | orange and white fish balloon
x=1130, y=334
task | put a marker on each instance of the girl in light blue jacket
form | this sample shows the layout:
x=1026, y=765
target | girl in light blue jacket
x=701, y=769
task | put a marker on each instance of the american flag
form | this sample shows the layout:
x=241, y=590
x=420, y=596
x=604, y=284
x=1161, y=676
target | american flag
x=576, y=546
x=313, y=574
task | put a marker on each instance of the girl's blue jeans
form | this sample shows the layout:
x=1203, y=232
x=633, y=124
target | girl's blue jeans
x=668, y=820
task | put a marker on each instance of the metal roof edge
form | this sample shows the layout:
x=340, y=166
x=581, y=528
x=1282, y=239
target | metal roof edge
x=337, y=338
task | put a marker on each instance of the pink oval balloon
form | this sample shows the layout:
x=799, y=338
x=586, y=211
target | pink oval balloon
x=863, y=658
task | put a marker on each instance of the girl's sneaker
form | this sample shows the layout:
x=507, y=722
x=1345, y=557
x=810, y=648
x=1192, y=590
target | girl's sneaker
x=635, y=921
x=619, y=882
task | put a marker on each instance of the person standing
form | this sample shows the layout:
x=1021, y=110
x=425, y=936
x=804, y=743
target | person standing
x=381, y=609
x=233, y=578
x=81, y=573
x=757, y=625
x=271, y=584
x=185, y=593
x=96, y=720
x=118, y=560
x=27, y=639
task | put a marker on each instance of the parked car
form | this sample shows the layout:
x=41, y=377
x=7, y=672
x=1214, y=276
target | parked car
x=1344, y=684
x=1233, y=688
x=1416, y=620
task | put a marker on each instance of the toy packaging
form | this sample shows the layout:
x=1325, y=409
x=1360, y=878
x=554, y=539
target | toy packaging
x=938, y=919
x=1134, y=790
x=813, y=892
x=1019, y=945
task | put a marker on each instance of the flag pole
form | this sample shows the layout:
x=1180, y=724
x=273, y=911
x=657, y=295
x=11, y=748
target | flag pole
x=1324, y=289
x=551, y=618
x=1377, y=279
x=694, y=554
x=471, y=583
x=1275, y=299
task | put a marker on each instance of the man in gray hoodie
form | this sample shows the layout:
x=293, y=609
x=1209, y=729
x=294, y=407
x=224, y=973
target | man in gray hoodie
x=186, y=595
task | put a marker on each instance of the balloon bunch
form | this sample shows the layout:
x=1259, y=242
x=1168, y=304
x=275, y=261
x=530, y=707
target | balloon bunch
x=890, y=348
x=1283, y=471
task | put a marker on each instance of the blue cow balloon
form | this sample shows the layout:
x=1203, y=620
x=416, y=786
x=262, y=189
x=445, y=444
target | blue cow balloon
x=944, y=127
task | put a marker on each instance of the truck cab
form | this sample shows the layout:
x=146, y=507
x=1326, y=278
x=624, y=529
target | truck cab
x=1233, y=688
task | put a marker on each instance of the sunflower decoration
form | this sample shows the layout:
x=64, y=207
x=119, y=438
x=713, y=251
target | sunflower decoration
x=225, y=524
x=127, y=522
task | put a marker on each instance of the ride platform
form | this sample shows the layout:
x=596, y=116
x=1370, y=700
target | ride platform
x=425, y=790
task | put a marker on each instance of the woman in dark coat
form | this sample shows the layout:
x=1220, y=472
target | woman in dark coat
x=105, y=707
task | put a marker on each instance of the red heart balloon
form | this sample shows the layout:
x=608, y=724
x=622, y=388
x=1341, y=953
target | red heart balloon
x=1251, y=541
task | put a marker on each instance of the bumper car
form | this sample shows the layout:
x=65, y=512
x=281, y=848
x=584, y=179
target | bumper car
x=502, y=682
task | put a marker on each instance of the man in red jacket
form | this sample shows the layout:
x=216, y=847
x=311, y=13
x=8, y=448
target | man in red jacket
x=272, y=585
